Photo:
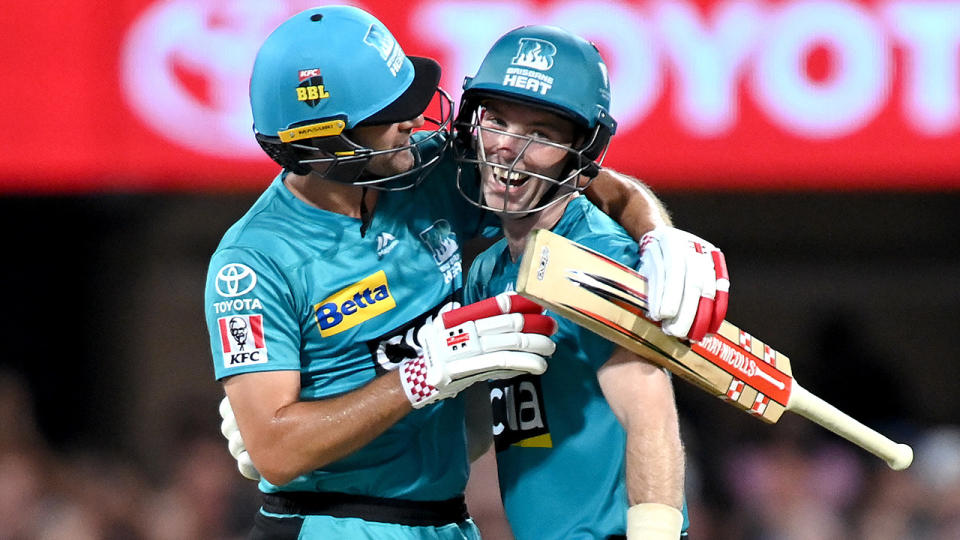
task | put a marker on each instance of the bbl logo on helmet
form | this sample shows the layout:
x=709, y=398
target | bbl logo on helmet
x=535, y=54
x=311, y=90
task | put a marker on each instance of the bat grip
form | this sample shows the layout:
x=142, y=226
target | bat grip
x=897, y=455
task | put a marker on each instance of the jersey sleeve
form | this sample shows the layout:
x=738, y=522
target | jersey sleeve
x=250, y=314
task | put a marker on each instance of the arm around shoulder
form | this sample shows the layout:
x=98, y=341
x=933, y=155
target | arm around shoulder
x=627, y=200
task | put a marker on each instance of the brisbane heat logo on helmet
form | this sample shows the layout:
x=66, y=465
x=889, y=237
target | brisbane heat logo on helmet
x=535, y=54
x=311, y=89
x=390, y=51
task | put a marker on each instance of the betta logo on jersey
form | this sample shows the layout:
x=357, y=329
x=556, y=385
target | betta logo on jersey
x=311, y=88
x=242, y=339
x=519, y=413
x=355, y=304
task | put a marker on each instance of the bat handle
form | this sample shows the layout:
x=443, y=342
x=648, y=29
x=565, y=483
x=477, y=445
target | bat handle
x=897, y=455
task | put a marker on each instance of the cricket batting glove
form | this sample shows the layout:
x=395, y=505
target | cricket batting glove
x=496, y=338
x=238, y=450
x=687, y=282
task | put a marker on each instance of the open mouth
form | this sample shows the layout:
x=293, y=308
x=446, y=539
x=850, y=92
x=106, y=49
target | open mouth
x=510, y=178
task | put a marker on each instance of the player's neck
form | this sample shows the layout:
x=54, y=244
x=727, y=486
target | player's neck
x=329, y=195
x=517, y=229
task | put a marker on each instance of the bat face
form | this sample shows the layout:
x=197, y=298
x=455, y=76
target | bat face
x=611, y=300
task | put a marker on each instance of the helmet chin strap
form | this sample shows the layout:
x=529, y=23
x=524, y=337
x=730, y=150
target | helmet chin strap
x=364, y=212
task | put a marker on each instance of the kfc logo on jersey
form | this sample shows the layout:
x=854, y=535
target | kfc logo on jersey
x=235, y=279
x=242, y=339
x=535, y=54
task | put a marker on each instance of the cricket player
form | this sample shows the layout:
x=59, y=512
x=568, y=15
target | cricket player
x=345, y=276
x=324, y=314
x=591, y=448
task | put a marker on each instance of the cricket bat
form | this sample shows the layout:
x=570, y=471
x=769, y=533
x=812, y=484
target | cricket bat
x=610, y=299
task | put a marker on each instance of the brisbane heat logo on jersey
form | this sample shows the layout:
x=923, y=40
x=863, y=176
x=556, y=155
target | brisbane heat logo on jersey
x=354, y=304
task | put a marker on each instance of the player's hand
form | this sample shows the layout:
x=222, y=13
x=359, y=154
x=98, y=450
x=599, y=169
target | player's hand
x=687, y=282
x=238, y=450
x=496, y=338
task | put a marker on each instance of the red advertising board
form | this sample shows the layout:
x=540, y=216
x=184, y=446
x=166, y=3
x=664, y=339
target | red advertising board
x=736, y=94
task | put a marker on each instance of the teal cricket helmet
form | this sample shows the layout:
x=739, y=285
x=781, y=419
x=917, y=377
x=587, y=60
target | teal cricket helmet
x=549, y=68
x=327, y=70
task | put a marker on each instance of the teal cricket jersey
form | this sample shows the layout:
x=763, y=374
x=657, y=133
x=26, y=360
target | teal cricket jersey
x=560, y=448
x=293, y=287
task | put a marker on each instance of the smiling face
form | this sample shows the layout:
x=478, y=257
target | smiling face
x=523, y=151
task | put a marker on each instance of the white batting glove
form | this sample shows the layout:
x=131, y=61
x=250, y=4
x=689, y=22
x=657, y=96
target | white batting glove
x=496, y=338
x=238, y=450
x=687, y=282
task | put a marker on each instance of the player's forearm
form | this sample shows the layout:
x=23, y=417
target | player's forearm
x=628, y=201
x=303, y=436
x=655, y=464
x=479, y=418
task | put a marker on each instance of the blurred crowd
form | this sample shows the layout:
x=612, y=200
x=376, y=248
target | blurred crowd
x=793, y=485
x=95, y=495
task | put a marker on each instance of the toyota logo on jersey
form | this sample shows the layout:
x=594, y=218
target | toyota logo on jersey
x=235, y=279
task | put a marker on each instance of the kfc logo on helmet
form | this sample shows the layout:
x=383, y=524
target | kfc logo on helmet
x=535, y=54
x=305, y=74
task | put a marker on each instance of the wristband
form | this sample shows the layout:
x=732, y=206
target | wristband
x=653, y=521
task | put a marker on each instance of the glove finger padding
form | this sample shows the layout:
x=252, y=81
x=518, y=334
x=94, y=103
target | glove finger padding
x=229, y=424
x=489, y=364
x=517, y=322
x=231, y=431
x=533, y=343
x=235, y=444
x=665, y=289
x=246, y=468
x=723, y=290
x=490, y=307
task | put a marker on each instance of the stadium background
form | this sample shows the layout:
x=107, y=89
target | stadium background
x=818, y=143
